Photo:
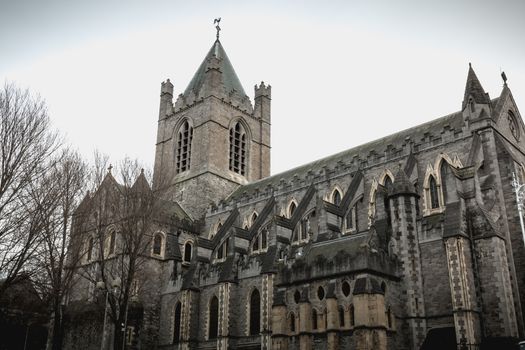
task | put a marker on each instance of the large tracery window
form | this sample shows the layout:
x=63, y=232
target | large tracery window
x=238, y=149
x=183, y=152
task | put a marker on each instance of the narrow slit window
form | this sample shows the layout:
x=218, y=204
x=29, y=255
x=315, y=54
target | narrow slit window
x=433, y=191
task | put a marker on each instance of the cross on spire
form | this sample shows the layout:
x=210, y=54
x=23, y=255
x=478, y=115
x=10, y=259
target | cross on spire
x=217, y=21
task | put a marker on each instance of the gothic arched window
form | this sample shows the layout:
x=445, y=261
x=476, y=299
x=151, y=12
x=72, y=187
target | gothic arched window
x=188, y=248
x=260, y=242
x=238, y=149
x=444, y=173
x=314, y=319
x=388, y=183
x=158, y=239
x=213, y=324
x=433, y=192
x=176, y=323
x=351, y=219
x=291, y=209
x=292, y=323
x=336, y=197
x=304, y=228
x=255, y=313
x=222, y=251
x=183, y=151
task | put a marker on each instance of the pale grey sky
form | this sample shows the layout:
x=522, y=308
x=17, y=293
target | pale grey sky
x=342, y=72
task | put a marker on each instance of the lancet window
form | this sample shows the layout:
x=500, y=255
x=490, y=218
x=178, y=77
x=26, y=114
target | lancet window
x=238, y=149
x=183, y=151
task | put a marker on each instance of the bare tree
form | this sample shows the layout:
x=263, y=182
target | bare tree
x=122, y=216
x=60, y=191
x=26, y=143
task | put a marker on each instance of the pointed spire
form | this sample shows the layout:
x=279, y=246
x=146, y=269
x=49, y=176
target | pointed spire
x=141, y=183
x=474, y=90
x=216, y=60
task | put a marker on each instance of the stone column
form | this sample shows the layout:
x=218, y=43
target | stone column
x=305, y=322
x=370, y=315
x=332, y=324
x=224, y=316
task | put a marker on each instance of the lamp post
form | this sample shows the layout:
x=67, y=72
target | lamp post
x=519, y=189
x=101, y=285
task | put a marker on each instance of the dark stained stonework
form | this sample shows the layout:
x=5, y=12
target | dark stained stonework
x=394, y=271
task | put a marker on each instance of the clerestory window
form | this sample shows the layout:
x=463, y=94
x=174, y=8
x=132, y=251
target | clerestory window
x=183, y=152
x=304, y=228
x=238, y=149
x=260, y=242
x=222, y=251
x=433, y=192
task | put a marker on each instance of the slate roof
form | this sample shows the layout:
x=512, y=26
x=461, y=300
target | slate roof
x=454, y=121
x=229, y=77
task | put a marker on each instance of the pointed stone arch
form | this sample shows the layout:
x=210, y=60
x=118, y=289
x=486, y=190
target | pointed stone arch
x=386, y=173
x=336, y=191
x=291, y=207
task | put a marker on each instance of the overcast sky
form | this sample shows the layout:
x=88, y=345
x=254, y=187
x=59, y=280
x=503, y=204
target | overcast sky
x=342, y=72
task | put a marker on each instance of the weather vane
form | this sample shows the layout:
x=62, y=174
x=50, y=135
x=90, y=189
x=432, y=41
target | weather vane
x=217, y=21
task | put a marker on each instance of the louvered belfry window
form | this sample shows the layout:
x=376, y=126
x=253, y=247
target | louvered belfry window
x=238, y=149
x=183, y=153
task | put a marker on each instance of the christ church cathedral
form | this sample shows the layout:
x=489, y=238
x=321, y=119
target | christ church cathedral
x=412, y=241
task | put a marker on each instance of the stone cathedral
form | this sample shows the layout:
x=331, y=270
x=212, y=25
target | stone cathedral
x=412, y=241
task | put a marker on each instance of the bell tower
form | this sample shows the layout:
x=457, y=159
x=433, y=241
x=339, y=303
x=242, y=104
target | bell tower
x=211, y=139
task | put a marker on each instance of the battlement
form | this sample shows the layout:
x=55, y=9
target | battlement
x=263, y=90
x=166, y=87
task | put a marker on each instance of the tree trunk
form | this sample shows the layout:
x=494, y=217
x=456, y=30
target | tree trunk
x=118, y=336
x=55, y=330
